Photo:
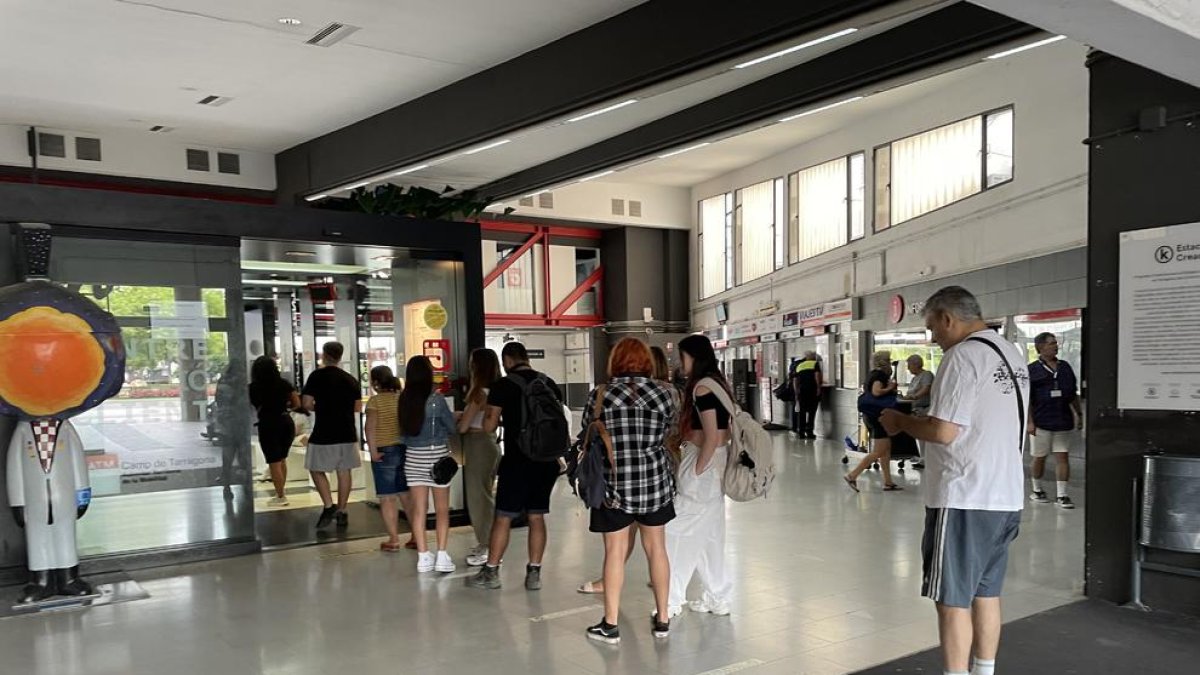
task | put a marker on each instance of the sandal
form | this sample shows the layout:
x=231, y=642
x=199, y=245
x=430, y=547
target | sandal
x=389, y=547
x=892, y=487
x=851, y=482
x=590, y=588
x=411, y=544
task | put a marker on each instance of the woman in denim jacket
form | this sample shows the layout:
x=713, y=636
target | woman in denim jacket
x=426, y=422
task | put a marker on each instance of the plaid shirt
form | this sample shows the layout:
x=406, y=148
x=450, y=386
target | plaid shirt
x=638, y=413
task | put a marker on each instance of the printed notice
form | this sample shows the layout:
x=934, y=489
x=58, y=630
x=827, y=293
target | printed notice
x=1159, y=358
x=188, y=321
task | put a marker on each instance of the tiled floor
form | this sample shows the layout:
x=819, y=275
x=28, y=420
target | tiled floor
x=827, y=582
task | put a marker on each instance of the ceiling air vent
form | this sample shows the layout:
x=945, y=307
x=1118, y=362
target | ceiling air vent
x=635, y=209
x=331, y=34
x=227, y=162
x=52, y=145
x=197, y=160
x=526, y=201
x=213, y=101
x=546, y=200
x=87, y=149
x=618, y=207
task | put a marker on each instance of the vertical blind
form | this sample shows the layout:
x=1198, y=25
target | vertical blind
x=756, y=230
x=819, y=223
x=713, y=246
x=936, y=168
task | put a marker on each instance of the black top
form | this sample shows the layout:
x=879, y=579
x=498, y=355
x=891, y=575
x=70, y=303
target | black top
x=877, y=376
x=336, y=393
x=271, y=399
x=1051, y=411
x=804, y=374
x=506, y=395
x=709, y=401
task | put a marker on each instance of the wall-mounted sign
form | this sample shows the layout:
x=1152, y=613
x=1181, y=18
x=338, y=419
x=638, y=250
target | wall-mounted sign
x=436, y=317
x=896, y=309
x=791, y=319
x=814, y=331
x=840, y=310
x=742, y=329
x=536, y=353
x=916, y=307
x=812, y=316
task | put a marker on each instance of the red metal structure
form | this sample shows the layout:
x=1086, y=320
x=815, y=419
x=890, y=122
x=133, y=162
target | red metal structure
x=555, y=316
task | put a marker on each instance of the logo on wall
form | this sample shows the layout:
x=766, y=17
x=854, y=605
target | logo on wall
x=896, y=309
x=1164, y=254
x=436, y=317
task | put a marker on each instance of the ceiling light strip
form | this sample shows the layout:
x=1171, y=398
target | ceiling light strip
x=601, y=111
x=602, y=174
x=796, y=48
x=1025, y=48
x=680, y=152
x=489, y=146
x=411, y=169
x=823, y=108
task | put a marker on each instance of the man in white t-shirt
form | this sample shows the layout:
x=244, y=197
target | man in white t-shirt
x=974, y=477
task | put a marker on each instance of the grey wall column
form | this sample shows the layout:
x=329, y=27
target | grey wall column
x=309, y=350
x=285, y=327
x=345, y=322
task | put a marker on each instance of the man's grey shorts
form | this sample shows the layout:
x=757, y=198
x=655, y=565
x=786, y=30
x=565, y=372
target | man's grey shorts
x=965, y=554
x=335, y=457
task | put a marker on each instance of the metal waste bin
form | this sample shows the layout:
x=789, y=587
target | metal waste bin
x=1171, y=503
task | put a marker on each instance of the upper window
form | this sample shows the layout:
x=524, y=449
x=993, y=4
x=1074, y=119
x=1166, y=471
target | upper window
x=925, y=172
x=713, y=243
x=826, y=206
x=754, y=225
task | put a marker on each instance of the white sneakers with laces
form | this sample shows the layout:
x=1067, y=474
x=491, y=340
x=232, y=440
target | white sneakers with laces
x=425, y=561
x=444, y=563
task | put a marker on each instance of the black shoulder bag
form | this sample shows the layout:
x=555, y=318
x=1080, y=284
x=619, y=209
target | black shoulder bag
x=1016, y=386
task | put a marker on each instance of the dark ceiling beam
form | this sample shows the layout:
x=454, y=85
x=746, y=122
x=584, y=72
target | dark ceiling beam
x=649, y=44
x=958, y=31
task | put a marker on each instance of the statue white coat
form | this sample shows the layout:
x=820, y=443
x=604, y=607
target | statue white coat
x=51, y=498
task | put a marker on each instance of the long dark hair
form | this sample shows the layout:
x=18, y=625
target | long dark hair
x=264, y=371
x=662, y=370
x=383, y=379
x=704, y=364
x=418, y=386
x=485, y=370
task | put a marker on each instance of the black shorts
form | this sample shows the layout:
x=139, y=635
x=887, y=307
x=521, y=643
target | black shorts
x=275, y=437
x=524, y=486
x=875, y=427
x=611, y=520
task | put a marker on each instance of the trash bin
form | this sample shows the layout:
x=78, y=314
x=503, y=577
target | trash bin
x=1171, y=503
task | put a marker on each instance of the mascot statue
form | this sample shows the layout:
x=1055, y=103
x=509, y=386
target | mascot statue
x=60, y=355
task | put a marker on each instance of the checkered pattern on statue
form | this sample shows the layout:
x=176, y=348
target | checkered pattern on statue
x=638, y=413
x=45, y=439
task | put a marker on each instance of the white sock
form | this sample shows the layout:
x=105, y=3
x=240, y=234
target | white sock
x=984, y=667
x=1037, y=484
x=1062, y=488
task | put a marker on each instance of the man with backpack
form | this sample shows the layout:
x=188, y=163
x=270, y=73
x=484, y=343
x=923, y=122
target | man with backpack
x=536, y=435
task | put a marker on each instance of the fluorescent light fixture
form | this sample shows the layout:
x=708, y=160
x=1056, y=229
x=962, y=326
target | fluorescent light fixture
x=290, y=21
x=680, y=152
x=411, y=169
x=300, y=254
x=602, y=174
x=534, y=194
x=823, y=108
x=301, y=268
x=796, y=48
x=365, y=183
x=615, y=106
x=489, y=146
x=1025, y=48
x=273, y=282
x=314, y=198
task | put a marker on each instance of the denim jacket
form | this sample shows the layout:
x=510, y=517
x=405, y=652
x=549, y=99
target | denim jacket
x=437, y=427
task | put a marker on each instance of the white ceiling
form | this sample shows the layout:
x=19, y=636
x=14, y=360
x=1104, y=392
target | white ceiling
x=90, y=65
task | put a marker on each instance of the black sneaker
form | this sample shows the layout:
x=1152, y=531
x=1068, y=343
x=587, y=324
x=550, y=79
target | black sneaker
x=1039, y=496
x=326, y=518
x=604, y=632
x=660, y=629
x=1065, y=502
x=533, y=577
x=343, y=520
x=488, y=578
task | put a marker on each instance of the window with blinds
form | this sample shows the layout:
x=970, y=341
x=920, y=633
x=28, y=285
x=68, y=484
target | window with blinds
x=713, y=246
x=826, y=206
x=754, y=226
x=924, y=172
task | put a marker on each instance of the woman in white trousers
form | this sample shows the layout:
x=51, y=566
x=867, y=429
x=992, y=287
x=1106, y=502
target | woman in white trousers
x=696, y=538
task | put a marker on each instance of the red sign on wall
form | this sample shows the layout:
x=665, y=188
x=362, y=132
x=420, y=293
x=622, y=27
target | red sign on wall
x=896, y=309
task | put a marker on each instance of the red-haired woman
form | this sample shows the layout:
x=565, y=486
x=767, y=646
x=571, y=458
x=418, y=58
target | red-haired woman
x=638, y=412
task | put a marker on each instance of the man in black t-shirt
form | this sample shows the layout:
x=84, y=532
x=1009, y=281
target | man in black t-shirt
x=524, y=485
x=334, y=395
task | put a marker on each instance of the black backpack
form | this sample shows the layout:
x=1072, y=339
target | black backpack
x=545, y=435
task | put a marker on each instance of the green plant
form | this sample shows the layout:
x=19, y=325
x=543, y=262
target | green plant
x=416, y=202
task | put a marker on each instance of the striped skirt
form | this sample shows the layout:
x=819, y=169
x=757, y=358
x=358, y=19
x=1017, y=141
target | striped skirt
x=419, y=461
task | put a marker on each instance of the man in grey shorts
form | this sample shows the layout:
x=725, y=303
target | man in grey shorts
x=334, y=395
x=974, y=489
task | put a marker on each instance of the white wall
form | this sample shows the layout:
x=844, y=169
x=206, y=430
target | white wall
x=662, y=206
x=140, y=154
x=1041, y=211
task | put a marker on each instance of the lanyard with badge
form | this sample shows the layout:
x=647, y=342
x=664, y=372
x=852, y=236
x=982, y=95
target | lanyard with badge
x=1056, y=392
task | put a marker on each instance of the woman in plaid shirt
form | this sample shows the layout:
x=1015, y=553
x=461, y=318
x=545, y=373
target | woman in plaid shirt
x=638, y=412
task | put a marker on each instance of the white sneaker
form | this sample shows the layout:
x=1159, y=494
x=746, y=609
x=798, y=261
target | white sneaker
x=444, y=562
x=277, y=501
x=425, y=561
x=478, y=556
x=704, y=606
